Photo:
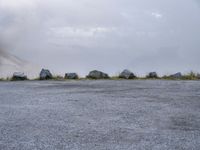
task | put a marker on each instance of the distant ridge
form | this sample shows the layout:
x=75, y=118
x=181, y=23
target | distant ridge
x=10, y=63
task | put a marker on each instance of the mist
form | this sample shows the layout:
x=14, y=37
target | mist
x=79, y=36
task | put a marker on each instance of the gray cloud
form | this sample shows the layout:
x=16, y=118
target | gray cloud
x=67, y=35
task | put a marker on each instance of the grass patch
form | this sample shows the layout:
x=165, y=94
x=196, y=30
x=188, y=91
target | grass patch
x=169, y=78
x=36, y=79
x=58, y=78
x=190, y=76
x=5, y=79
x=1, y=79
x=115, y=78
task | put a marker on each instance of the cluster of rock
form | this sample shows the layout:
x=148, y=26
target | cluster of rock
x=45, y=74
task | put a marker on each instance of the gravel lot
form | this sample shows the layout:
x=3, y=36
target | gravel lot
x=100, y=115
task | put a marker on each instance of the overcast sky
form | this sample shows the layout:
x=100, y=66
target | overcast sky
x=109, y=35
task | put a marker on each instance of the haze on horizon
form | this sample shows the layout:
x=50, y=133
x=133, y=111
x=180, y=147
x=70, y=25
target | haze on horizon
x=79, y=36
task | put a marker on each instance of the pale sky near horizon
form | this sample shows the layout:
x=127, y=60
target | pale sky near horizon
x=109, y=35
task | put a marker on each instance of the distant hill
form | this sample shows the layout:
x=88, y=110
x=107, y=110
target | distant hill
x=10, y=63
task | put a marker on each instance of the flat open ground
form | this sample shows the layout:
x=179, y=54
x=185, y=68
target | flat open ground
x=100, y=115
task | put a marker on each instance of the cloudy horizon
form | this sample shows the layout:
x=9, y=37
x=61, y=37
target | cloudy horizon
x=79, y=36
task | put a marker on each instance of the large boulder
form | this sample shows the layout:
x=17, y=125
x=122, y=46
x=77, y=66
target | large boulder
x=71, y=76
x=97, y=75
x=198, y=76
x=152, y=75
x=45, y=74
x=18, y=76
x=177, y=75
x=126, y=74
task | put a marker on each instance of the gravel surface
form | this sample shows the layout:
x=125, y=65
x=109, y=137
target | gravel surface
x=100, y=115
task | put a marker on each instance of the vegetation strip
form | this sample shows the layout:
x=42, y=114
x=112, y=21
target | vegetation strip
x=45, y=74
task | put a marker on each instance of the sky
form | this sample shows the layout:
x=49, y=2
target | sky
x=108, y=35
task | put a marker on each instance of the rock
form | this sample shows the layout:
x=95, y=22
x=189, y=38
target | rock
x=176, y=75
x=17, y=76
x=71, y=76
x=45, y=74
x=126, y=74
x=198, y=76
x=152, y=75
x=97, y=75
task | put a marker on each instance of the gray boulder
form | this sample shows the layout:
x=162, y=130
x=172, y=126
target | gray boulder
x=126, y=74
x=97, y=75
x=198, y=76
x=177, y=75
x=19, y=76
x=152, y=75
x=45, y=74
x=71, y=76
